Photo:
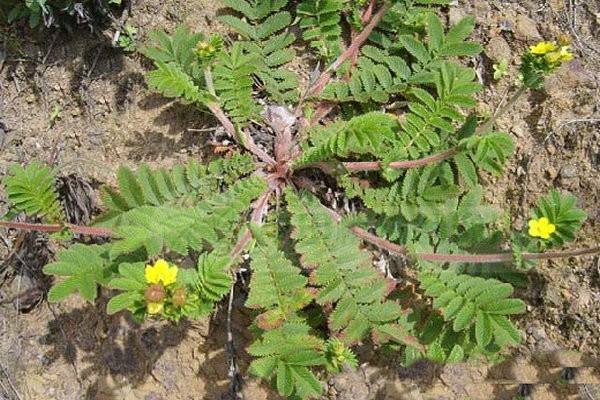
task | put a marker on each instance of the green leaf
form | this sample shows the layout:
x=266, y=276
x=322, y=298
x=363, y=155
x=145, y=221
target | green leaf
x=84, y=266
x=416, y=48
x=483, y=329
x=122, y=301
x=464, y=317
x=31, y=190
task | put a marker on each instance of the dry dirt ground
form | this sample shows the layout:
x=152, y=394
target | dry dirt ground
x=108, y=117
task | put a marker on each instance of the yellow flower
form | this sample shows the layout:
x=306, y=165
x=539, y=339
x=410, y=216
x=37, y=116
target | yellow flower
x=565, y=54
x=155, y=308
x=161, y=272
x=543, y=48
x=562, y=55
x=541, y=228
x=552, y=57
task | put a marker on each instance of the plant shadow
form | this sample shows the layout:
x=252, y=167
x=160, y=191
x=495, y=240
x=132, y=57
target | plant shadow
x=112, y=347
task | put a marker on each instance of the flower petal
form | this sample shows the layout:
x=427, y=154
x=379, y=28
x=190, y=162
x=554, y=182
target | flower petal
x=151, y=274
x=155, y=308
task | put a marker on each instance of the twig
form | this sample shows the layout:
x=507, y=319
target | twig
x=12, y=386
x=235, y=378
x=580, y=120
x=55, y=36
x=120, y=25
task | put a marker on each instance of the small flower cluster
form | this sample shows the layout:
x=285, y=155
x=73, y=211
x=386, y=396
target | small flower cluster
x=163, y=290
x=542, y=59
x=552, y=53
x=207, y=50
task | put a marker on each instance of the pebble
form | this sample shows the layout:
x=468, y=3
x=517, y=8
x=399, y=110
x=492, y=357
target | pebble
x=568, y=172
x=506, y=25
x=551, y=172
x=455, y=15
x=498, y=49
x=526, y=29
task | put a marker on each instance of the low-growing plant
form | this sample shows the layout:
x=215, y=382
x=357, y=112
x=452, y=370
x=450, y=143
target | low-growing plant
x=387, y=126
x=50, y=13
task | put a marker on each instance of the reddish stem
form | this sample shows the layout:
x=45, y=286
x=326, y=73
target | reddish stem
x=247, y=140
x=322, y=81
x=83, y=230
x=374, y=165
x=260, y=207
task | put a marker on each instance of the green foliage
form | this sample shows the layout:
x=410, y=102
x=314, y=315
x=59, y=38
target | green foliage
x=84, y=267
x=31, y=190
x=183, y=185
x=277, y=285
x=371, y=133
x=339, y=355
x=212, y=222
x=320, y=22
x=127, y=38
x=265, y=35
x=233, y=83
x=500, y=69
x=474, y=305
x=343, y=275
x=285, y=354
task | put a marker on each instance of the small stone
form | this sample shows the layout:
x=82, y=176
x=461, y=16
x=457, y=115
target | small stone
x=526, y=29
x=520, y=171
x=506, y=25
x=551, y=149
x=498, y=49
x=551, y=172
x=455, y=15
x=153, y=396
x=568, y=172
x=553, y=296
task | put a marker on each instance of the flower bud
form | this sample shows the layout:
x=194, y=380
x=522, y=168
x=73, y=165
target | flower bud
x=179, y=297
x=155, y=293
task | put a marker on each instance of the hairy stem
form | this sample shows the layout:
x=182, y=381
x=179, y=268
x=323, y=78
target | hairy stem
x=82, y=230
x=399, y=250
x=322, y=81
x=374, y=165
x=259, y=206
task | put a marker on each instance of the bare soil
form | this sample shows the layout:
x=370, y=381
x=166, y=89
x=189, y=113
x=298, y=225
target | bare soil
x=108, y=117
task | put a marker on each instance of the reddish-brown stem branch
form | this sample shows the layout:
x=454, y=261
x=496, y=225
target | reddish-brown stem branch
x=399, y=250
x=504, y=257
x=374, y=165
x=322, y=81
x=259, y=209
x=245, y=137
x=82, y=230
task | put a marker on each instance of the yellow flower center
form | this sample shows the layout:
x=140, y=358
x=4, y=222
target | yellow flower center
x=541, y=228
x=161, y=272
